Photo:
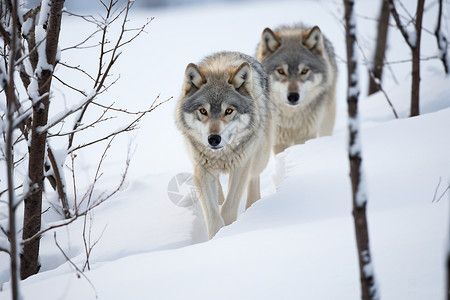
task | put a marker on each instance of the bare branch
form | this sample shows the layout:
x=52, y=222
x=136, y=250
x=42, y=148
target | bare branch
x=442, y=40
x=129, y=127
x=377, y=82
x=70, y=86
x=72, y=159
x=79, y=272
x=88, y=247
x=62, y=224
x=68, y=112
x=400, y=26
x=121, y=110
x=88, y=18
x=91, y=205
x=4, y=191
x=80, y=44
x=103, y=73
x=139, y=31
x=77, y=68
x=410, y=60
x=92, y=124
x=435, y=198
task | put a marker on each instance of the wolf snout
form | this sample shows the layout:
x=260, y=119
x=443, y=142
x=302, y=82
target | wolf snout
x=214, y=140
x=293, y=97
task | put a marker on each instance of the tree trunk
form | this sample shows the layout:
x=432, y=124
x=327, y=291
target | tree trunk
x=33, y=203
x=11, y=102
x=448, y=275
x=359, y=197
x=378, y=60
x=415, y=87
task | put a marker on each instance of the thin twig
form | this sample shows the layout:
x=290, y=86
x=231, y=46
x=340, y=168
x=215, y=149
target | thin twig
x=435, y=198
x=103, y=72
x=77, y=68
x=72, y=157
x=399, y=23
x=129, y=127
x=79, y=272
x=78, y=46
x=410, y=60
x=92, y=124
x=377, y=82
x=92, y=205
x=70, y=86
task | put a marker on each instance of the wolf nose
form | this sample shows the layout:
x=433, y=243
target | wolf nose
x=214, y=140
x=293, y=97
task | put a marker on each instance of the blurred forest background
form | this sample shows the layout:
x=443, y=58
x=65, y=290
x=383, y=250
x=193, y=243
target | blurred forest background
x=89, y=5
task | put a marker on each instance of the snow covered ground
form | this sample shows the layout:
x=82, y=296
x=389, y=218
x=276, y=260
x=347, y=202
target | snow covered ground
x=298, y=241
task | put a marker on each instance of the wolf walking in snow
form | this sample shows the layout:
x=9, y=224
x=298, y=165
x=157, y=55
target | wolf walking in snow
x=224, y=114
x=302, y=72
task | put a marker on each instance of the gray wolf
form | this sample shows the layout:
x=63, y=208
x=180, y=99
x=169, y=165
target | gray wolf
x=302, y=73
x=225, y=116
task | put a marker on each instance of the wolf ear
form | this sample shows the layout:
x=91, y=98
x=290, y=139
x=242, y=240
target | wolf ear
x=193, y=78
x=269, y=42
x=313, y=40
x=242, y=77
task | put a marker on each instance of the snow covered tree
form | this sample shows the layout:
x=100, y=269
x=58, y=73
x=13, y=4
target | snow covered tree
x=46, y=34
x=369, y=288
x=413, y=41
x=376, y=69
x=29, y=57
x=7, y=84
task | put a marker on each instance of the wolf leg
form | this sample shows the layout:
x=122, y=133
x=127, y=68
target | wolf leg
x=219, y=188
x=253, y=191
x=206, y=184
x=236, y=187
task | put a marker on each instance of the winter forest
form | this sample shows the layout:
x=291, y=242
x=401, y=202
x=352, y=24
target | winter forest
x=97, y=191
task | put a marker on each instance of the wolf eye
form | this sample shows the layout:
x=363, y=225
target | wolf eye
x=203, y=111
x=281, y=71
x=228, y=111
x=304, y=71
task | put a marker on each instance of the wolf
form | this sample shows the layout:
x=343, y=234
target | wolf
x=224, y=114
x=302, y=71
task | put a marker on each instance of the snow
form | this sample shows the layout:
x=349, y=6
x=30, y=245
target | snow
x=298, y=241
x=412, y=37
x=40, y=38
x=4, y=79
x=41, y=50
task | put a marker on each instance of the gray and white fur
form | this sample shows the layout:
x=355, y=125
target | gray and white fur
x=225, y=116
x=302, y=71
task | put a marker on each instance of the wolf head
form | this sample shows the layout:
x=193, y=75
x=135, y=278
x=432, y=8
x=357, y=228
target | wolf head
x=295, y=60
x=217, y=106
